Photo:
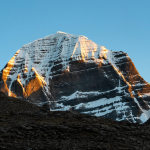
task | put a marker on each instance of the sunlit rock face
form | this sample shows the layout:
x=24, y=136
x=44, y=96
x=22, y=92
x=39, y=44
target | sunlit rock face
x=79, y=74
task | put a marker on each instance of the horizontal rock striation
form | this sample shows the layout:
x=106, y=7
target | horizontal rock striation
x=75, y=73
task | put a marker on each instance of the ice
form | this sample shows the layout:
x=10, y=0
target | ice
x=100, y=102
x=140, y=84
x=145, y=95
x=61, y=32
x=101, y=112
x=145, y=114
x=143, y=118
x=79, y=94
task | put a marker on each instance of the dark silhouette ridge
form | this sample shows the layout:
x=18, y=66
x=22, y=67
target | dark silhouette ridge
x=26, y=126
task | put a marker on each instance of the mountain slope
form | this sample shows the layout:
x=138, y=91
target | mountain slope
x=79, y=74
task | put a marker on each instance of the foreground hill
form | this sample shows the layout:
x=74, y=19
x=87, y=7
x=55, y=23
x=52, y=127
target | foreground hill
x=26, y=126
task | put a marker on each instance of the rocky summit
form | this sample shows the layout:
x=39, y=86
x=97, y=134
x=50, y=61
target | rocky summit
x=67, y=71
x=25, y=126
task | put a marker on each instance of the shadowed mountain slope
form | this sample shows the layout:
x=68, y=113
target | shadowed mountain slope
x=26, y=126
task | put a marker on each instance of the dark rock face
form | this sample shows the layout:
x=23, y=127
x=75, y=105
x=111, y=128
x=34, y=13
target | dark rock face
x=26, y=126
x=147, y=122
x=77, y=74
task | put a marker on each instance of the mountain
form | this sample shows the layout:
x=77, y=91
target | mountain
x=72, y=72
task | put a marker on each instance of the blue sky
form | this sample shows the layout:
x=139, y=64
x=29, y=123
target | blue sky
x=119, y=25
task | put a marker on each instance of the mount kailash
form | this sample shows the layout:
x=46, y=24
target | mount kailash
x=79, y=74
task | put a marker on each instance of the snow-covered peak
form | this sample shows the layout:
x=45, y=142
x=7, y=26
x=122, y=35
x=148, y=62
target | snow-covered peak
x=61, y=32
x=52, y=68
x=67, y=46
x=62, y=47
x=59, y=49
